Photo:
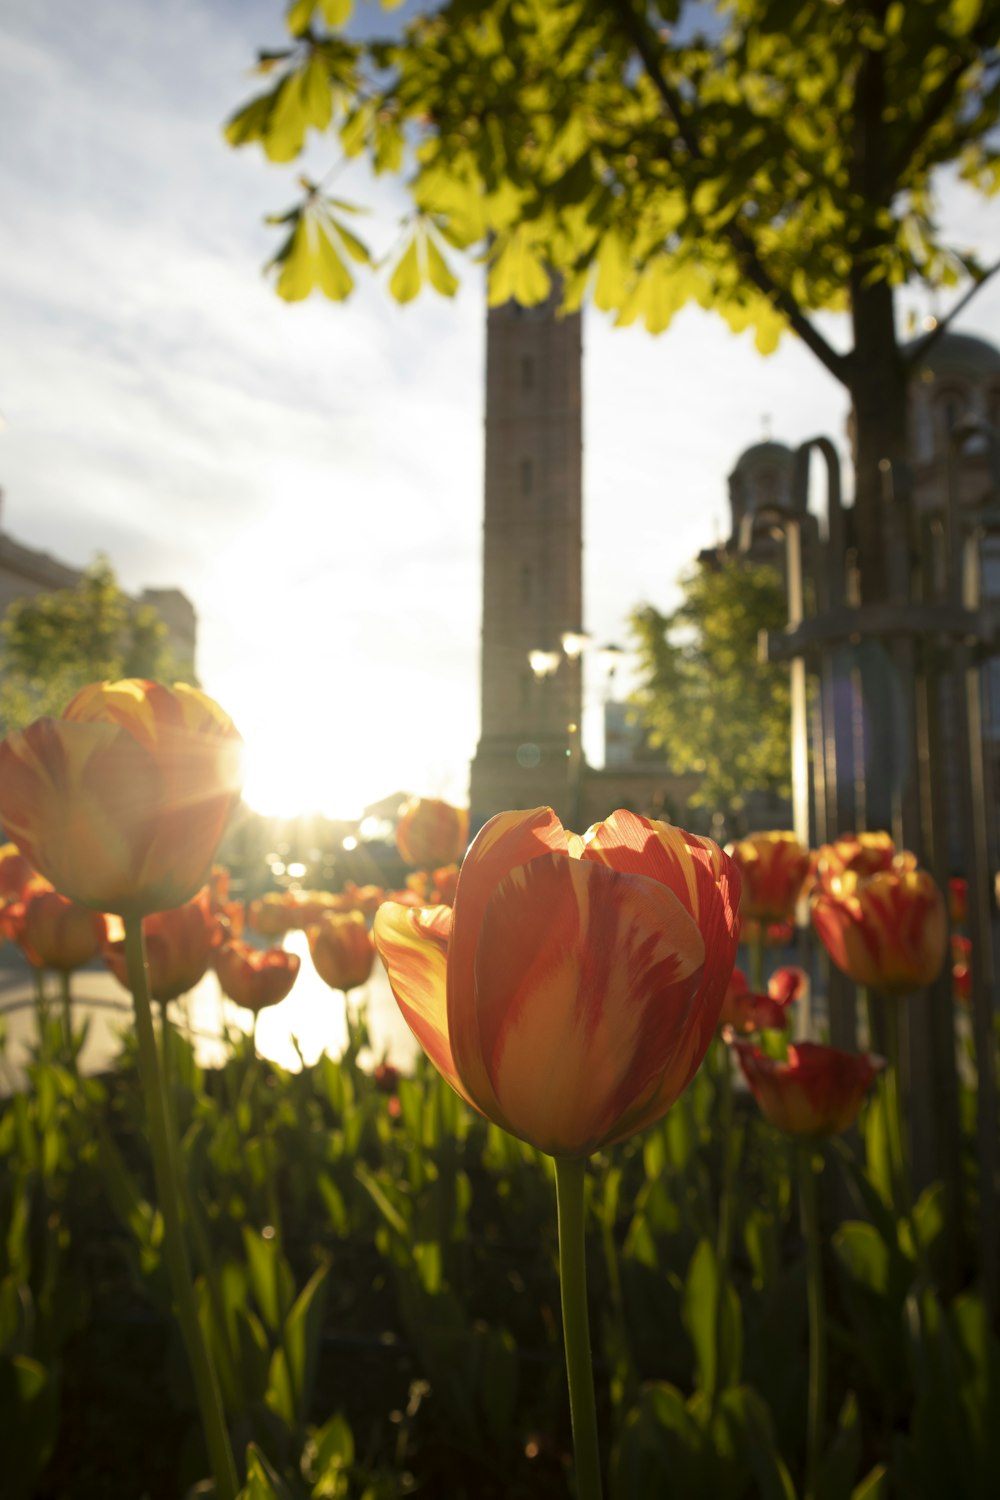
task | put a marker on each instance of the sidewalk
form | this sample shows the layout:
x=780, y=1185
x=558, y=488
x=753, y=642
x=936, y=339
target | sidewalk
x=312, y=1013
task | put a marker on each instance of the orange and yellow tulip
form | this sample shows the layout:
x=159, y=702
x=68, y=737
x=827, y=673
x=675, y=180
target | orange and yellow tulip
x=774, y=867
x=180, y=945
x=57, y=933
x=818, y=1091
x=431, y=832
x=889, y=932
x=122, y=801
x=342, y=950
x=571, y=994
x=255, y=977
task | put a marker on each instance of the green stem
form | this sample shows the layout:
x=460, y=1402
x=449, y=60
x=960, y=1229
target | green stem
x=570, y=1177
x=41, y=1013
x=67, y=1010
x=756, y=957
x=893, y=1096
x=725, y=1240
x=817, y=1324
x=175, y=1250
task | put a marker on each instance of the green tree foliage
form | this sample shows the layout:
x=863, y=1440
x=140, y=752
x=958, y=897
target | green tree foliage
x=770, y=159
x=708, y=701
x=53, y=644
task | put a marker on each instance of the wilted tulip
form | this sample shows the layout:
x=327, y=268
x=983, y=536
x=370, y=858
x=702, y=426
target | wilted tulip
x=774, y=867
x=255, y=977
x=342, y=950
x=180, y=945
x=889, y=932
x=818, y=1091
x=60, y=934
x=431, y=832
x=122, y=801
x=572, y=994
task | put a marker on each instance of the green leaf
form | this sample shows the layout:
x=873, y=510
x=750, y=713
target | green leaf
x=315, y=92
x=335, y=279
x=713, y=1319
x=301, y=1339
x=298, y=15
x=438, y=271
x=297, y=275
x=842, y=1459
x=30, y=1407
x=661, y=1450
x=874, y=1486
x=334, y=1452
x=336, y=12
x=355, y=248
x=263, y=1482
x=405, y=281
x=270, y=1275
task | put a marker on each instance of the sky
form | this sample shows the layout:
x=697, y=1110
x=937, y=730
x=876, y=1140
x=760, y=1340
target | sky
x=311, y=475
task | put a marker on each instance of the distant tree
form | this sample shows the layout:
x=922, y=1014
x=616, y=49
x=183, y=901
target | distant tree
x=53, y=644
x=770, y=159
x=707, y=700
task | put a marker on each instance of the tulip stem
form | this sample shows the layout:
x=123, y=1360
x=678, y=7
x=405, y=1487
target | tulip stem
x=169, y=1196
x=728, y=1162
x=817, y=1325
x=893, y=1097
x=67, y=1010
x=570, y=1178
x=757, y=961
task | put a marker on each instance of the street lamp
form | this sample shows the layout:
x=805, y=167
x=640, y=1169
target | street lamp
x=544, y=663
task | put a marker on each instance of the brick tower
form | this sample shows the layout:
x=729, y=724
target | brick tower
x=529, y=749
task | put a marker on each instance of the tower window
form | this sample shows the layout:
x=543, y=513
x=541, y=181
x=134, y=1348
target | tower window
x=527, y=476
x=527, y=373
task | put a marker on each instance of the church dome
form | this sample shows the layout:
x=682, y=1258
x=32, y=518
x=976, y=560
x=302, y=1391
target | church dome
x=767, y=454
x=962, y=354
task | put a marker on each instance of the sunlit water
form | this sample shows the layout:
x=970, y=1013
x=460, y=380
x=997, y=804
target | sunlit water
x=313, y=1014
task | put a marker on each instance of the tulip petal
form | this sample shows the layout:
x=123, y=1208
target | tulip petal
x=505, y=842
x=585, y=983
x=413, y=945
x=701, y=876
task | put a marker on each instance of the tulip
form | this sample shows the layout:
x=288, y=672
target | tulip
x=958, y=901
x=774, y=867
x=570, y=996
x=573, y=995
x=862, y=854
x=60, y=934
x=961, y=972
x=889, y=932
x=363, y=898
x=744, y=1012
x=787, y=984
x=431, y=832
x=180, y=946
x=16, y=873
x=817, y=1092
x=255, y=977
x=342, y=950
x=121, y=802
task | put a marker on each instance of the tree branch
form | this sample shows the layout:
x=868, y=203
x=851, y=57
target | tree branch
x=746, y=251
x=920, y=348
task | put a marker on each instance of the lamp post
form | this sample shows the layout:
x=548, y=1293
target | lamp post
x=545, y=663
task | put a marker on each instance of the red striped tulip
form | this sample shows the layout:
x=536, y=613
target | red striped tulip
x=889, y=933
x=774, y=867
x=862, y=854
x=180, y=946
x=342, y=950
x=59, y=934
x=571, y=994
x=431, y=832
x=818, y=1091
x=122, y=801
x=255, y=977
